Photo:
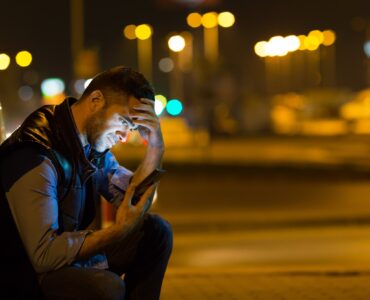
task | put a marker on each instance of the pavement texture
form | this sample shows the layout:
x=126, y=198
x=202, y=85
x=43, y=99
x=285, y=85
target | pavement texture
x=268, y=286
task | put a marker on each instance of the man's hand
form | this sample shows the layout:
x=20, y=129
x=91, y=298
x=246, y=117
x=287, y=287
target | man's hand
x=128, y=215
x=144, y=115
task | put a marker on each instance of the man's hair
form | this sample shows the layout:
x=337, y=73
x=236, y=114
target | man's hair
x=121, y=80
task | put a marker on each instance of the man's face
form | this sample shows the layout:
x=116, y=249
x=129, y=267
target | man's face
x=110, y=125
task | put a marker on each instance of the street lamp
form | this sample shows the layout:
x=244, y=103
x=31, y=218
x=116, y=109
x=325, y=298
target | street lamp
x=143, y=33
x=210, y=22
x=4, y=61
x=23, y=59
x=279, y=46
x=176, y=44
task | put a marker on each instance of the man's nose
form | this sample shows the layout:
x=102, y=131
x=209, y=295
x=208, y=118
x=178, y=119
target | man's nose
x=122, y=135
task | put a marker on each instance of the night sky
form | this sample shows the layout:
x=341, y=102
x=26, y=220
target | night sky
x=43, y=28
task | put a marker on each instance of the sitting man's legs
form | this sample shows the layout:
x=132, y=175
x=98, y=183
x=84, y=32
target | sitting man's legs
x=144, y=262
x=82, y=283
x=142, y=257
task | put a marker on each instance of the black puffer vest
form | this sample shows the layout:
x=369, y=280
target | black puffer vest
x=50, y=130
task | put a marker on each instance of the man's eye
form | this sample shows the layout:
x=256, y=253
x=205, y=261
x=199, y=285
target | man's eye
x=123, y=121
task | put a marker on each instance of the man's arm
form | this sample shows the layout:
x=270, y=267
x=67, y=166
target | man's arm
x=32, y=198
x=127, y=217
x=31, y=191
x=150, y=129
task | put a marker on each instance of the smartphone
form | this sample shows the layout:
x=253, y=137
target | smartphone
x=148, y=181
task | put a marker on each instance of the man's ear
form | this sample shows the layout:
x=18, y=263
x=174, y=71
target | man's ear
x=96, y=101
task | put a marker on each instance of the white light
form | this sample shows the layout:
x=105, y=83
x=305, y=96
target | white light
x=52, y=87
x=176, y=43
x=292, y=43
x=158, y=107
x=8, y=134
x=367, y=48
x=87, y=82
x=277, y=44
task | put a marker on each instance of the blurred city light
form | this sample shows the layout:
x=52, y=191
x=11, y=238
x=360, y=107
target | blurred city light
x=194, y=20
x=329, y=37
x=25, y=93
x=129, y=32
x=161, y=99
x=302, y=44
x=174, y=107
x=210, y=20
x=276, y=46
x=226, y=19
x=79, y=86
x=292, y=43
x=143, y=32
x=367, y=48
x=159, y=104
x=166, y=64
x=260, y=49
x=52, y=86
x=4, y=61
x=87, y=82
x=312, y=43
x=280, y=46
x=318, y=35
x=23, y=58
x=176, y=43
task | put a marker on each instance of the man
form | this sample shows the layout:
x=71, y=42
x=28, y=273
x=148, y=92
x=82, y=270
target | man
x=53, y=169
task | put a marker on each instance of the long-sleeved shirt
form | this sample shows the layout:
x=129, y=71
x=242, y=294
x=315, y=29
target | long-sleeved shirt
x=33, y=201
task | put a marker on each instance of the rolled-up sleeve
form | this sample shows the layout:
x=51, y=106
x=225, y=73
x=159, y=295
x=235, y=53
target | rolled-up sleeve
x=113, y=180
x=33, y=202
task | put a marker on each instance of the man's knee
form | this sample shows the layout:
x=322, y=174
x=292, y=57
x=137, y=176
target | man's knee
x=160, y=232
x=82, y=283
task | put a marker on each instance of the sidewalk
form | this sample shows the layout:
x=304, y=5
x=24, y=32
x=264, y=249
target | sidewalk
x=269, y=286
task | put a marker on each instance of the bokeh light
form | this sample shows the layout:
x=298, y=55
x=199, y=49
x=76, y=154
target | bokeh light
x=129, y=32
x=52, y=86
x=23, y=58
x=367, y=48
x=260, y=48
x=302, y=43
x=176, y=43
x=312, y=43
x=174, y=107
x=143, y=32
x=226, y=19
x=329, y=37
x=87, y=82
x=318, y=35
x=166, y=64
x=292, y=43
x=25, y=93
x=159, y=104
x=210, y=20
x=194, y=20
x=79, y=86
x=276, y=46
x=4, y=61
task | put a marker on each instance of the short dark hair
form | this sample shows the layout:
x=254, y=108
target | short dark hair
x=122, y=80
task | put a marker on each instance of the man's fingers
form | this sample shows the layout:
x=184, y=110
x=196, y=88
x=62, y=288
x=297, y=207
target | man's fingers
x=144, y=198
x=129, y=194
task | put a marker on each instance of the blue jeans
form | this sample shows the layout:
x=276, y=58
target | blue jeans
x=142, y=257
